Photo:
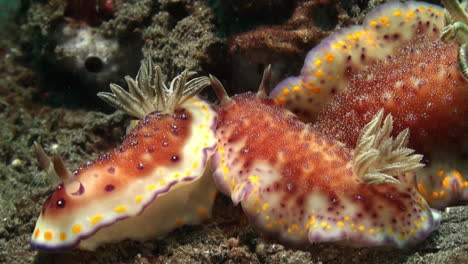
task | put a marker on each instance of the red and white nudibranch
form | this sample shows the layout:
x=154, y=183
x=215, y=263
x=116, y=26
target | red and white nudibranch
x=306, y=187
x=156, y=181
x=395, y=61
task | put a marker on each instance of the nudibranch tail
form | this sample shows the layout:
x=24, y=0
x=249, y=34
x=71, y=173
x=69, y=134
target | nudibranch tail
x=303, y=186
x=156, y=181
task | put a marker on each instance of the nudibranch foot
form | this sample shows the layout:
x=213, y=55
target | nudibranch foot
x=303, y=186
x=156, y=181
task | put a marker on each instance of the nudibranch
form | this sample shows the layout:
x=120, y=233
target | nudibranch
x=395, y=61
x=303, y=186
x=157, y=180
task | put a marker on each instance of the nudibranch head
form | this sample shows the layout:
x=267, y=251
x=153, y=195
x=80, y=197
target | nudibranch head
x=157, y=180
x=303, y=186
x=395, y=61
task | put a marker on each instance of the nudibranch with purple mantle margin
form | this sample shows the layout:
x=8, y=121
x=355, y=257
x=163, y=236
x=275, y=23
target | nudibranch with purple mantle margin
x=305, y=187
x=156, y=181
x=395, y=61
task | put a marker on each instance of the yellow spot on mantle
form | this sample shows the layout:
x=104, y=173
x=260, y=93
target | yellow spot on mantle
x=340, y=224
x=36, y=233
x=329, y=57
x=458, y=175
x=265, y=206
x=315, y=90
x=77, y=229
x=324, y=224
x=361, y=228
x=446, y=181
x=96, y=219
x=282, y=221
x=296, y=89
x=397, y=13
x=285, y=92
x=202, y=211
x=384, y=20
x=138, y=198
x=318, y=63
x=63, y=236
x=253, y=178
x=120, y=209
x=347, y=218
x=151, y=187
x=48, y=235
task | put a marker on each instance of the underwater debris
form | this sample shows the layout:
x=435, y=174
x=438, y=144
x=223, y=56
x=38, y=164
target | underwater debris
x=93, y=59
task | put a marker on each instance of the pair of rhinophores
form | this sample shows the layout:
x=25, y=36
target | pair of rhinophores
x=327, y=156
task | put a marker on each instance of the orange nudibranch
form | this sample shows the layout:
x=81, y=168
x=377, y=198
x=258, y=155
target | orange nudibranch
x=304, y=186
x=395, y=61
x=156, y=181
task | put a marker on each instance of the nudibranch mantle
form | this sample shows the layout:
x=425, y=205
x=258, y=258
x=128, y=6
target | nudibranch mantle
x=157, y=180
x=395, y=61
x=305, y=187
x=327, y=66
